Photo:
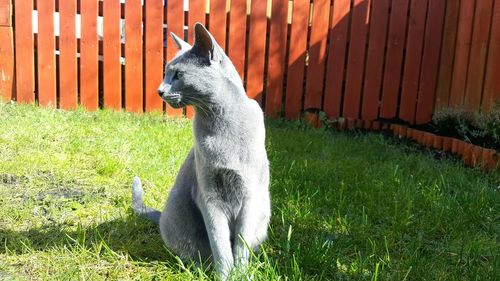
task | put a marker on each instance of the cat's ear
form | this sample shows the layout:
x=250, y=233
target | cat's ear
x=181, y=44
x=204, y=43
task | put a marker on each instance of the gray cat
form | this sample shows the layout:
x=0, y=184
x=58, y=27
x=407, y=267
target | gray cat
x=220, y=199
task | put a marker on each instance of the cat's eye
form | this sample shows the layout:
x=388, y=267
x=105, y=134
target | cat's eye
x=176, y=76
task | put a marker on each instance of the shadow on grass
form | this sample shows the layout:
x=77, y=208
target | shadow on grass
x=139, y=239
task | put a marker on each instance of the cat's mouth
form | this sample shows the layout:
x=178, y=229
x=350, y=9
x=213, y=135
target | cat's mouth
x=173, y=99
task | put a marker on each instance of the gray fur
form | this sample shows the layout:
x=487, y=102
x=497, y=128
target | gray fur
x=220, y=199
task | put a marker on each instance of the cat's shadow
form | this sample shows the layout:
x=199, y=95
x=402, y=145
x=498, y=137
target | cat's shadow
x=130, y=235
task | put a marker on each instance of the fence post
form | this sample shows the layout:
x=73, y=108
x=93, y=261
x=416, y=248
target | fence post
x=6, y=51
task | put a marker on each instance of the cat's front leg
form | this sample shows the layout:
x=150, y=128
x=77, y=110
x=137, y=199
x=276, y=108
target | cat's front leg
x=217, y=226
x=251, y=229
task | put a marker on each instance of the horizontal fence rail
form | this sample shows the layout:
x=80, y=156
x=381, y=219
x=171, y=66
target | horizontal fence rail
x=367, y=59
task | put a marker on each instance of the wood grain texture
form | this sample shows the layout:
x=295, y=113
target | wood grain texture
x=447, y=54
x=430, y=60
x=153, y=54
x=317, y=55
x=296, y=59
x=24, y=51
x=133, y=56
x=478, y=52
x=89, y=56
x=356, y=59
x=461, y=60
x=111, y=55
x=413, y=60
x=336, y=58
x=394, y=58
x=68, y=71
x=276, y=64
x=375, y=59
x=46, y=54
x=256, y=50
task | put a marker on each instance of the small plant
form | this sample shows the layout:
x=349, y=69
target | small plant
x=492, y=126
x=461, y=123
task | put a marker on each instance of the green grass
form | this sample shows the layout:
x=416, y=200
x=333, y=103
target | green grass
x=345, y=206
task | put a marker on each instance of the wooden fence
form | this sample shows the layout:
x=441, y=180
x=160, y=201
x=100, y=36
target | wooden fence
x=368, y=59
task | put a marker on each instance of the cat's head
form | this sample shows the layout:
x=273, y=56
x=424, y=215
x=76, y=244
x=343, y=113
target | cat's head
x=195, y=75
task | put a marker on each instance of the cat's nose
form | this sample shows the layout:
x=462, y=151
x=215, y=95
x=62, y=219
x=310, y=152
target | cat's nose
x=160, y=92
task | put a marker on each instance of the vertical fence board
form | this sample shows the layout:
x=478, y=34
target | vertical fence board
x=89, y=55
x=296, y=59
x=256, y=50
x=375, y=59
x=46, y=54
x=478, y=52
x=492, y=82
x=25, y=72
x=394, y=59
x=68, y=72
x=317, y=54
x=6, y=63
x=217, y=24
x=111, y=54
x=153, y=57
x=356, y=59
x=276, y=67
x=133, y=56
x=447, y=54
x=413, y=59
x=336, y=58
x=462, y=52
x=430, y=58
x=196, y=14
x=237, y=35
x=175, y=24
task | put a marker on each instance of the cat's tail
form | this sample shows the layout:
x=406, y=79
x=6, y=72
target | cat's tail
x=138, y=206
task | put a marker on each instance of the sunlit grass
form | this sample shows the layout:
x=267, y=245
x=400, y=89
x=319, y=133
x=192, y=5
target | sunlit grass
x=345, y=206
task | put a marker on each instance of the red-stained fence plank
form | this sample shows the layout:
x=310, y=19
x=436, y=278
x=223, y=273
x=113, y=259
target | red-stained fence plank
x=89, y=55
x=317, y=54
x=276, y=60
x=336, y=58
x=447, y=54
x=430, y=59
x=237, y=35
x=6, y=63
x=46, y=54
x=111, y=55
x=133, y=56
x=413, y=60
x=461, y=63
x=196, y=14
x=153, y=60
x=175, y=24
x=478, y=52
x=296, y=59
x=256, y=50
x=25, y=73
x=68, y=73
x=394, y=58
x=356, y=59
x=217, y=24
x=492, y=83
x=375, y=59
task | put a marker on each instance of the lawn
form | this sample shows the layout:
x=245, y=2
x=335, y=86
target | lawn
x=355, y=206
